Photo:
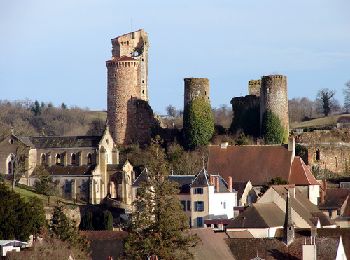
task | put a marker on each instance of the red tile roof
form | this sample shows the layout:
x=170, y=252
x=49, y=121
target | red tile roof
x=301, y=174
x=259, y=163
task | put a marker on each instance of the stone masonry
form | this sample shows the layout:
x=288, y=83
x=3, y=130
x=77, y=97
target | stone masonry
x=254, y=87
x=129, y=115
x=194, y=88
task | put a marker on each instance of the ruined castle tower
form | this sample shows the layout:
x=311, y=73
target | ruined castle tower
x=128, y=112
x=194, y=88
x=274, y=97
x=254, y=87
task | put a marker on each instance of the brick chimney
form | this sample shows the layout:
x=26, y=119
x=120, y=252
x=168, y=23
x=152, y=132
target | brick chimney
x=211, y=180
x=230, y=183
x=217, y=183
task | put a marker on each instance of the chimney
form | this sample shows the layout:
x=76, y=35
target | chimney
x=291, y=146
x=230, y=183
x=224, y=145
x=211, y=179
x=217, y=184
x=323, y=190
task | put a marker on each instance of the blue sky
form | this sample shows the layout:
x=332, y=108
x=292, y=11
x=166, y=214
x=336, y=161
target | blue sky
x=56, y=50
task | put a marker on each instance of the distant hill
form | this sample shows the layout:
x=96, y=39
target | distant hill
x=322, y=122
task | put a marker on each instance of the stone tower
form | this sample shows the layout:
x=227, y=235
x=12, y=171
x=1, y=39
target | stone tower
x=254, y=87
x=129, y=115
x=194, y=88
x=274, y=97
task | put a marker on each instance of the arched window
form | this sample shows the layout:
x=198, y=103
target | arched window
x=73, y=159
x=89, y=159
x=318, y=155
x=10, y=164
x=58, y=159
x=43, y=159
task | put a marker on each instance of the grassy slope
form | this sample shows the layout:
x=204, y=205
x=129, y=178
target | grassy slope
x=323, y=121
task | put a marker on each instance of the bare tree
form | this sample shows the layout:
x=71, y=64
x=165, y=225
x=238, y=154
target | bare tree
x=346, y=92
x=325, y=101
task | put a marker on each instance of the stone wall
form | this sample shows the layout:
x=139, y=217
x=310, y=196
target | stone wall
x=246, y=114
x=194, y=88
x=254, y=87
x=274, y=97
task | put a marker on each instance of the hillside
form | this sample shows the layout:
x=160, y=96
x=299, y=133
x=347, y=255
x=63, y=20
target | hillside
x=318, y=122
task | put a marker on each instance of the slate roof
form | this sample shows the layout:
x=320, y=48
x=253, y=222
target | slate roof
x=45, y=142
x=184, y=182
x=201, y=179
x=239, y=187
x=335, y=198
x=257, y=163
x=301, y=174
x=262, y=215
x=303, y=206
x=68, y=170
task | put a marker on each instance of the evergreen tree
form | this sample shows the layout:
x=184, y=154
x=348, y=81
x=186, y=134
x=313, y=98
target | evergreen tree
x=86, y=222
x=325, y=101
x=158, y=226
x=18, y=218
x=198, y=123
x=36, y=109
x=107, y=220
x=64, y=229
x=44, y=184
x=346, y=92
x=272, y=129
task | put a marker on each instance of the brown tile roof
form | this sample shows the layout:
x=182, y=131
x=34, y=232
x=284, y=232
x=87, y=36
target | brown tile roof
x=263, y=215
x=301, y=174
x=335, y=198
x=303, y=206
x=258, y=163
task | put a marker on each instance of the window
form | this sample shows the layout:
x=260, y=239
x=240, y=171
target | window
x=58, y=159
x=188, y=205
x=199, y=206
x=224, y=205
x=318, y=155
x=73, y=159
x=198, y=191
x=200, y=222
x=89, y=159
x=183, y=204
x=338, y=212
x=336, y=162
x=43, y=159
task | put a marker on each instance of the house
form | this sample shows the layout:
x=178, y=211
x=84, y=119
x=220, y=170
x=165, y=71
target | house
x=11, y=245
x=206, y=199
x=84, y=168
x=267, y=216
x=336, y=204
x=258, y=164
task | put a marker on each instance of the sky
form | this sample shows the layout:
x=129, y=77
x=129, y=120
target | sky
x=55, y=51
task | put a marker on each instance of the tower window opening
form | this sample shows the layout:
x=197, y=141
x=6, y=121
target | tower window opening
x=73, y=159
x=43, y=159
x=143, y=91
x=318, y=155
x=58, y=159
x=89, y=159
x=143, y=81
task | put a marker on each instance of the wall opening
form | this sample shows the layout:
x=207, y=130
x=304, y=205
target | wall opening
x=43, y=159
x=318, y=155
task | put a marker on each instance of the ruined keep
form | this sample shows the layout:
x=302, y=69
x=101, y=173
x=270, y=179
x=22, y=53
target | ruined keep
x=129, y=115
x=195, y=88
x=268, y=93
x=254, y=87
x=274, y=98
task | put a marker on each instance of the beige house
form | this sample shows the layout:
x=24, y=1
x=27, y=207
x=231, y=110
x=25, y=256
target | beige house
x=206, y=199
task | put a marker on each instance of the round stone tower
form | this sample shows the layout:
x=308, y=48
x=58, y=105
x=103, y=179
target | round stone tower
x=122, y=90
x=194, y=88
x=274, y=98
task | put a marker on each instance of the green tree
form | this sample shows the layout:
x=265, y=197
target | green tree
x=198, y=123
x=107, y=220
x=65, y=229
x=36, y=109
x=63, y=106
x=86, y=221
x=272, y=129
x=158, y=226
x=18, y=218
x=44, y=184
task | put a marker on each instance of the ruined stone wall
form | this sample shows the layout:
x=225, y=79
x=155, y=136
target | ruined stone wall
x=194, y=88
x=122, y=88
x=274, y=97
x=135, y=45
x=254, y=87
x=246, y=114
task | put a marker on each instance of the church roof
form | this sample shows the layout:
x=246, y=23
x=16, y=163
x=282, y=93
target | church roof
x=45, y=142
x=68, y=170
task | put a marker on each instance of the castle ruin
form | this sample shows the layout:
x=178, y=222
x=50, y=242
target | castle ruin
x=195, y=88
x=129, y=115
x=267, y=94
